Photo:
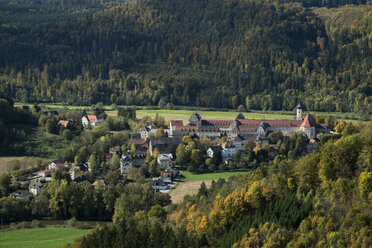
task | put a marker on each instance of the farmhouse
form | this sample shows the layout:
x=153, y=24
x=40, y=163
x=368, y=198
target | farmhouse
x=91, y=120
x=35, y=187
x=148, y=131
x=64, y=123
x=55, y=164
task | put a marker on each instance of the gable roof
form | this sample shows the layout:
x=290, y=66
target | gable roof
x=99, y=181
x=308, y=121
x=63, y=123
x=239, y=138
x=176, y=123
x=92, y=117
x=240, y=116
x=273, y=123
x=196, y=115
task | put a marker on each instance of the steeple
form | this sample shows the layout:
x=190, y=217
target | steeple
x=299, y=112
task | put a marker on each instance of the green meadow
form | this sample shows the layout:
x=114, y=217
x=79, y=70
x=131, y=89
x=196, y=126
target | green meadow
x=190, y=176
x=185, y=112
x=40, y=237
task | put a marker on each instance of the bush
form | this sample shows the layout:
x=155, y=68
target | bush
x=35, y=223
x=24, y=224
x=72, y=222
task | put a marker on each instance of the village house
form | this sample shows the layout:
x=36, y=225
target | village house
x=164, y=144
x=228, y=149
x=165, y=160
x=239, y=142
x=35, y=187
x=45, y=173
x=64, y=123
x=21, y=195
x=140, y=144
x=99, y=183
x=132, y=159
x=159, y=184
x=114, y=150
x=148, y=131
x=212, y=151
x=56, y=164
x=167, y=175
x=91, y=120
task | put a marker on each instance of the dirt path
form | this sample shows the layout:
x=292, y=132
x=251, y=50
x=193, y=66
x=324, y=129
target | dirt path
x=187, y=188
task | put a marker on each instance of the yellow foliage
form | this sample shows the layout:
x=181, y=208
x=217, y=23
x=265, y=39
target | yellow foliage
x=257, y=148
x=201, y=225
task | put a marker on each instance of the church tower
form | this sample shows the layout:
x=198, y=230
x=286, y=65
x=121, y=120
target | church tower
x=299, y=112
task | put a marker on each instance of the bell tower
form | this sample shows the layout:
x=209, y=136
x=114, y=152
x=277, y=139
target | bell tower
x=299, y=112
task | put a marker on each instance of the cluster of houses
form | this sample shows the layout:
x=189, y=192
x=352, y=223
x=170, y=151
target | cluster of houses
x=38, y=180
x=237, y=132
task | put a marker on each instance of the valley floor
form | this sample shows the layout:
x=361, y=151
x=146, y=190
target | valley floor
x=40, y=237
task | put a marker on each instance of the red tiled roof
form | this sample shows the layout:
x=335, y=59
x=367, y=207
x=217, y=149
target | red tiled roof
x=115, y=148
x=218, y=122
x=309, y=121
x=177, y=123
x=63, y=123
x=92, y=118
x=99, y=181
x=273, y=123
x=189, y=128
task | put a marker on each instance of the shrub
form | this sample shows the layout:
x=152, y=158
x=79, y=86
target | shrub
x=72, y=222
x=35, y=223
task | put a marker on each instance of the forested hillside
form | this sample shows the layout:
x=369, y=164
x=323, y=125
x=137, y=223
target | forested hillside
x=259, y=54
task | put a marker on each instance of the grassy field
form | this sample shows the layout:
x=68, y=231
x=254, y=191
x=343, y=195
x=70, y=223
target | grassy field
x=40, y=237
x=184, y=114
x=190, y=176
x=187, y=188
x=24, y=162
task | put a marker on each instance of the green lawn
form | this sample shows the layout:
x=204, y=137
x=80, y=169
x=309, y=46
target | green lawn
x=40, y=237
x=190, y=176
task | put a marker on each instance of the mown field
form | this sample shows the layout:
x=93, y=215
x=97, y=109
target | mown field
x=190, y=176
x=190, y=183
x=184, y=114
x=40, y=237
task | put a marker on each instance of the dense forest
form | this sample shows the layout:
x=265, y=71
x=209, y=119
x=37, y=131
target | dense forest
x=322, y=199
x=260, y=54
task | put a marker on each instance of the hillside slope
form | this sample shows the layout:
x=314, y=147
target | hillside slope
x=263, y=55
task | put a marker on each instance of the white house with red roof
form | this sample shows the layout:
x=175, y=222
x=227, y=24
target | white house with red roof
x=228, y=149
x=91, y=120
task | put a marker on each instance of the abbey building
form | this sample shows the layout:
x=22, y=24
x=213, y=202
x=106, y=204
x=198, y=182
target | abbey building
x=246, y=128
